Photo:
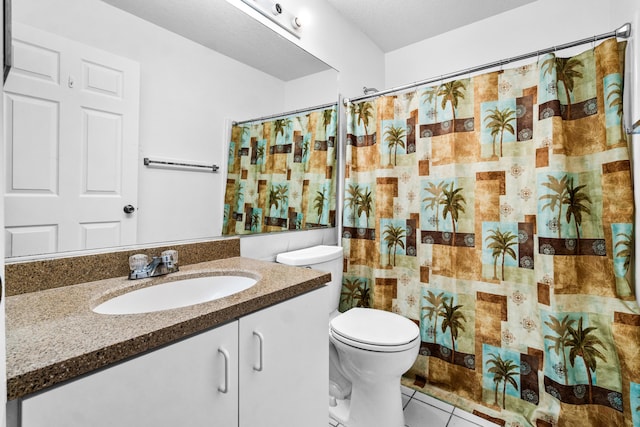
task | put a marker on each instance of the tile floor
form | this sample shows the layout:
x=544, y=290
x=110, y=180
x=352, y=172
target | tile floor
x=421, y=410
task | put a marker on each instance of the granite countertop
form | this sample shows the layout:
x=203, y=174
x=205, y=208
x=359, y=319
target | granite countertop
x=53, y=335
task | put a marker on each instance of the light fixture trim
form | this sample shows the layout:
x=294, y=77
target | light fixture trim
x=278, y=14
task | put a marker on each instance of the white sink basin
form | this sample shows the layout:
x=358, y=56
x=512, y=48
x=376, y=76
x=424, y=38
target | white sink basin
x=180, y=293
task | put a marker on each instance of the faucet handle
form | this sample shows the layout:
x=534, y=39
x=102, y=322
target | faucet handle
x=138, y=262
x=170, y=258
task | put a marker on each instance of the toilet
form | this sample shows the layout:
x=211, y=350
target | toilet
x=369, y=350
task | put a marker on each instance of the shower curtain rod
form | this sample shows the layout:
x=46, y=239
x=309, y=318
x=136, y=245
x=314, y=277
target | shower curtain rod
x=289, y=113
x=622, y=32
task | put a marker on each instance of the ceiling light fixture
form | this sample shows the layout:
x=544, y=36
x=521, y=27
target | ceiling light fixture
x=278, y=14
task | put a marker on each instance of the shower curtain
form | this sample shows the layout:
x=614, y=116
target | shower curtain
x=281, y=174
x=496, y=212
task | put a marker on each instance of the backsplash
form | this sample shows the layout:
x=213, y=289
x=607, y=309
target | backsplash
x=39, y=275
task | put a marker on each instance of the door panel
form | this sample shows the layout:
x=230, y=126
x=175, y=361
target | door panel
x=102, y=80
x=102, y=146
x=36, y=62
x=71, y=132
x=24, y=239
x=32, y=150
x=100, y=234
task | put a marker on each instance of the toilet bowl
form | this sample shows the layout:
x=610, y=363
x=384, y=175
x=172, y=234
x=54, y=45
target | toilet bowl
x=375, y=348
x=369, y=350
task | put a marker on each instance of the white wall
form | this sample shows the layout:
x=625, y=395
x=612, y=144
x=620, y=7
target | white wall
x=311, y=90
x=334, y=40
x=509, y=34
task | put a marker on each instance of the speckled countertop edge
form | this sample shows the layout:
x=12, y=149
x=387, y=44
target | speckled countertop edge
x=53, y=335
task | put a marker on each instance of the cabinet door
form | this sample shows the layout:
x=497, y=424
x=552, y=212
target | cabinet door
x=284, y=359
x=178, y=385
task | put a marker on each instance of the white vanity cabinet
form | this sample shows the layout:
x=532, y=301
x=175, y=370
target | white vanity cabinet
x=269, y=368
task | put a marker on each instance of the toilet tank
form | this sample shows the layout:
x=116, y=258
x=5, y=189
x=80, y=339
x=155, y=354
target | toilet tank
x=323, y=258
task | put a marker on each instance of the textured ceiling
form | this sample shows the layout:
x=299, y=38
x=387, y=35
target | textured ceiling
x=392, y=24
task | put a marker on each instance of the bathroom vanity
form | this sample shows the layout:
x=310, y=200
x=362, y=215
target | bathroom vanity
x=242, y=360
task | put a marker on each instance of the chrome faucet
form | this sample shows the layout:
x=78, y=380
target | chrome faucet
x=159, y=265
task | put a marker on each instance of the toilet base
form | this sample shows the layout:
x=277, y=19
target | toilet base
x=340, y=412
x=382, y=407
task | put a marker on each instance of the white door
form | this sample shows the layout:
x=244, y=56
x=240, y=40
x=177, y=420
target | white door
x=71, y=144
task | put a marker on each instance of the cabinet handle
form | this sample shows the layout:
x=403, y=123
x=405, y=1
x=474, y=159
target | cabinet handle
x=225, y=354
x=260, y=360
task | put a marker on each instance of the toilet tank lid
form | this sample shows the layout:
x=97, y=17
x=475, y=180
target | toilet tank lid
x=310, y=256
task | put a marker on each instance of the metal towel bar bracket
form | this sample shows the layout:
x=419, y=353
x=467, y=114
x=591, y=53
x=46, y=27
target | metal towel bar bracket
x=148, y=162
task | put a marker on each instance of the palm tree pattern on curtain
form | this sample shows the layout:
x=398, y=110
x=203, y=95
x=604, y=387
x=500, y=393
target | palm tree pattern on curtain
x=281, y=174
x=497, y=213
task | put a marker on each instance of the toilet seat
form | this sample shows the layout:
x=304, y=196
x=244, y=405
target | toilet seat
x=374, y=330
